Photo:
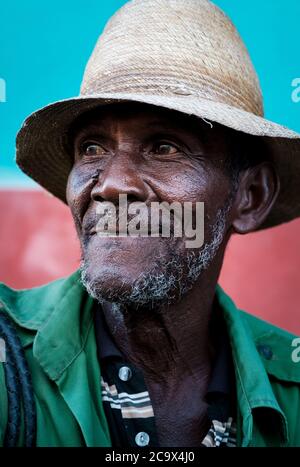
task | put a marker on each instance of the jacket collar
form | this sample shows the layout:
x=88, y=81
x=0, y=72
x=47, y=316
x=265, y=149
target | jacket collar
x=55, y=318
x=254, y=390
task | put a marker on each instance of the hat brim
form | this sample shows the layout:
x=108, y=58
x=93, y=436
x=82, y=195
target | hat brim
x=42, y=142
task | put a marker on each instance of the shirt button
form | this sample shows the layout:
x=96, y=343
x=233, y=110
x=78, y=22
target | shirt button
x=125, y=373
x=265, y=351
x=142, y=439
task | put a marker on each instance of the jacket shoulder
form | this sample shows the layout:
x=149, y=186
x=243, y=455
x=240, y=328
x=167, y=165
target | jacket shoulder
x=30, y=307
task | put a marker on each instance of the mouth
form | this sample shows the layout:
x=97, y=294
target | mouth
x=127, y=226
x=118, y=233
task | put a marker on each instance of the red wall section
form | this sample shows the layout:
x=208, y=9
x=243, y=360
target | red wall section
x=38, y=242
x=261, y=271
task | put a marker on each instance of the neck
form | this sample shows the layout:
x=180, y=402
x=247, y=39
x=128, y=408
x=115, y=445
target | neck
x=170, y=340
x=172, y=346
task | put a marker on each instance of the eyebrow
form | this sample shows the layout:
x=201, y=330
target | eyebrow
x=91, y=130
x=157, y=124
x=199, y=131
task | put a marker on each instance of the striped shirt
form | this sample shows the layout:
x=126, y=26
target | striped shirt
x=128, y=406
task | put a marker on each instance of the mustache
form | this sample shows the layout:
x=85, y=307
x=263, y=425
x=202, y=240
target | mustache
x=94, y=221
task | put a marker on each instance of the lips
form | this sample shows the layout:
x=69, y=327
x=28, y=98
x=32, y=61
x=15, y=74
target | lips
x=103, y=225
x=118, y=233
x=94, y=224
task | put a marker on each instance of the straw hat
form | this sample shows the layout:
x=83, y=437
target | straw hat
x=184, y=55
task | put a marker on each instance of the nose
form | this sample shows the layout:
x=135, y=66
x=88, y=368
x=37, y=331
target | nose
x=120, y=177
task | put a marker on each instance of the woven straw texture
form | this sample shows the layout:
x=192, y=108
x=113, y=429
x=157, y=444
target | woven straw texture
x=184, y=55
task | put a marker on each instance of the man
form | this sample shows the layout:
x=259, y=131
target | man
x=142, y=347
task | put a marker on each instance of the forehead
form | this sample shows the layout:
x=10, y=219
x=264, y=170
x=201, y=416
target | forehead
x=141, y=118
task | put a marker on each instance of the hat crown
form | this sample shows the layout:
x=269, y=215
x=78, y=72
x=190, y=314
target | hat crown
x=173, y=47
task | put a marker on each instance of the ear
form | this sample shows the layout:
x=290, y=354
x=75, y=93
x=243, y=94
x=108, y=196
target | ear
x=257, y=192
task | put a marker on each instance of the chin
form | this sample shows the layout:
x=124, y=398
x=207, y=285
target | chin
x=122, y=260
x=112, y=275
x=129, y=283
x=135, y=272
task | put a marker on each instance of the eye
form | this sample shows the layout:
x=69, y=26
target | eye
x=165, y=149
x=92, y=149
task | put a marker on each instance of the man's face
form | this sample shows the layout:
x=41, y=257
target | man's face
x=151, y=155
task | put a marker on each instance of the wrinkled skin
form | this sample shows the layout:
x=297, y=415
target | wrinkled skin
x=152, y=154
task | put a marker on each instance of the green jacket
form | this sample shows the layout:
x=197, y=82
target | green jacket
x=56, y=329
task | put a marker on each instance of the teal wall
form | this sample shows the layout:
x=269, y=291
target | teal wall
x=44, y=47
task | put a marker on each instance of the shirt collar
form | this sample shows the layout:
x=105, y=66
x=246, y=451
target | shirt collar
x=106, y=347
